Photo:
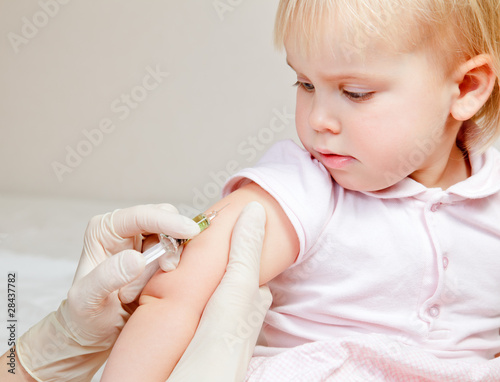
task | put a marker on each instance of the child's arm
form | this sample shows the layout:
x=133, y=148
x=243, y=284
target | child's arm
x=172, y=303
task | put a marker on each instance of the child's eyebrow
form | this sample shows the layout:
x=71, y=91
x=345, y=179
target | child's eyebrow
x=347, y=76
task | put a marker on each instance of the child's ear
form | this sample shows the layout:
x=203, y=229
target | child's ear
x=476, y=80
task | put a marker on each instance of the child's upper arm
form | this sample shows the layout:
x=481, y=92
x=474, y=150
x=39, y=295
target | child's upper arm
x=205, y=257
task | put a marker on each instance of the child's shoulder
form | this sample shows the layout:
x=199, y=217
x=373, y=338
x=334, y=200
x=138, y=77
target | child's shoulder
x=485, y=178
x=287, y=152
x=493, y=155
x=286, y=166
x=303, y=188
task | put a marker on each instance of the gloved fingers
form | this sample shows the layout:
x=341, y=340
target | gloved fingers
x=149, y=241
x=168, y=207
x=169, y=261
x=101, y=240
x=148, y=219
x=110, y=275
x=246, y=244
x=130, y=292
x=265, y=297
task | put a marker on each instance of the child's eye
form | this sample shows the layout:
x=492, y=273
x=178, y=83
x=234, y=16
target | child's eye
x=306, y=86
x=358, y=97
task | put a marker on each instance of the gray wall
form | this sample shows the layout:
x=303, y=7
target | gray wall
x=140, y=101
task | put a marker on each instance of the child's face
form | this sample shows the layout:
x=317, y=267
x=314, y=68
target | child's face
x=372, y=119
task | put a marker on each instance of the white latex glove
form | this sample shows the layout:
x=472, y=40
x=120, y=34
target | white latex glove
x=73, y=342
x=223, y=344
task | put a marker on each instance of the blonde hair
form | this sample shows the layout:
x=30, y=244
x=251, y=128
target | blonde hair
x=454, y=30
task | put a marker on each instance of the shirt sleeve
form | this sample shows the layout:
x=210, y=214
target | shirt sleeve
x=299, y=183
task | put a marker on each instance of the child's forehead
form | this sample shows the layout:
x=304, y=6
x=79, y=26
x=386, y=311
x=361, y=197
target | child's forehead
x=357, y=29
x=336, y=49
x=331, y=63
x=333, y=49
x=337, y=42
x=354, y=25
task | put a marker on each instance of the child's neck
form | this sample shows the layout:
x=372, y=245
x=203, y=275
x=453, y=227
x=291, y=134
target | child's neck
x=445, y=173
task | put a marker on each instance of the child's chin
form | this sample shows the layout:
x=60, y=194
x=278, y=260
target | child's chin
x=361, y=183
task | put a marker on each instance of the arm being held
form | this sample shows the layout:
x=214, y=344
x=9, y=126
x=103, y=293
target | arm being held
x=224, y=341
x=170, y=308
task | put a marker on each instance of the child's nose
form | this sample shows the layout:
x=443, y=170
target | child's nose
x=323, y=117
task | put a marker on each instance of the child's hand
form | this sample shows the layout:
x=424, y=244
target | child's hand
x=73, y=342
x=224, y=341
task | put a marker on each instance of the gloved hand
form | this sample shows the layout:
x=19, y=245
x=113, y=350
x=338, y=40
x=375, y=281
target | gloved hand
x=223, y=344
x=73, y=342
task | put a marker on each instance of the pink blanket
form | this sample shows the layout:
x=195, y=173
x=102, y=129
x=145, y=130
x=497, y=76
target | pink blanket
x=366, y=359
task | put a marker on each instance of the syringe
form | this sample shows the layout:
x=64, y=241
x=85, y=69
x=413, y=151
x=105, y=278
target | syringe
x=169, y=244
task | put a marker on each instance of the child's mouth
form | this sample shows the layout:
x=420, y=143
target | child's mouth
x=335, y=161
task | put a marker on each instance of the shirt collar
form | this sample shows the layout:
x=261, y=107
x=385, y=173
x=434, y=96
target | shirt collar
x=484, y=181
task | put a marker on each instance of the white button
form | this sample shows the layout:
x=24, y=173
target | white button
x=445, y=262
x=434, y=311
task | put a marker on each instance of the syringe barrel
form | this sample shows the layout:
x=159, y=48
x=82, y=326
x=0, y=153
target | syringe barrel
x=203, y=221
x=169, y=244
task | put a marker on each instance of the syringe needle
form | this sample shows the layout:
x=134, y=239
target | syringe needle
x=212, y=214
x=219, y=210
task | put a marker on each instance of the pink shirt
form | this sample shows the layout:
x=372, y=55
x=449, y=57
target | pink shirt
x=416, y=264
